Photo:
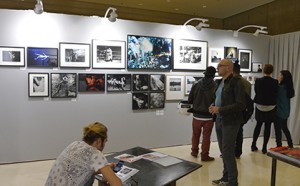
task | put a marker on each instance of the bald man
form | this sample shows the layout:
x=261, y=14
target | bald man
x=228, y=106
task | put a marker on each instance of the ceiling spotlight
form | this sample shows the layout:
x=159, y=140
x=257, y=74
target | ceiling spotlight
x=260, y=30
x=113, y=15
x=39, y=8
x=201, y=25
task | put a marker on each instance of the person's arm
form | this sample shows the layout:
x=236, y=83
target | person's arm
x=109, y=175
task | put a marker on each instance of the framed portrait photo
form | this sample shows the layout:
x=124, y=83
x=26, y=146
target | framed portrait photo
x=245, y=58
x=189, y=82
x=91, y=82
x=140, y=82
x=231, y=53
x=157, y=82
x=38, y=84
x=63, y=85
x=140, y=101
x=108, y=54
x=174, y=88
x=151, y=53
x=74, y=55
x=215, y=56
x=190, y=55
x=257, y=67
x=12, y=56
x=118, y=82
x=42, y=57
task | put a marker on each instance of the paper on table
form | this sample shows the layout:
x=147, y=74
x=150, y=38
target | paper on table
x=153, y=156
x=128, y=158
x=167, y=161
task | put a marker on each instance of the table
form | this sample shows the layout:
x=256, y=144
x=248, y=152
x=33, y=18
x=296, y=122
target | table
x=284, y=158
x=151, y=173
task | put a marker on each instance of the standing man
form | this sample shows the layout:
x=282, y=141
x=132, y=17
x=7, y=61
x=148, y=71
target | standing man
x=228, y=106
x=202, y=96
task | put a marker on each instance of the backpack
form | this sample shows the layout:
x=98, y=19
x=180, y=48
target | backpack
x=247, y=113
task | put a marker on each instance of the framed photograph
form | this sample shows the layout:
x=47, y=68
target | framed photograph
x=157, y=82
x=157, y=100
x=74, y=55
x=231, y=53
x=257, y=67
x=140, y=101
x=63, y=85
x=140, y=82
x=12, y=56
x=38, y=84
x=42, y=57
x=151, y=53
x=189, y=82
x=245, y=58
x=190, y=55
x=118, y=82
x=215, y=56
x=91, y=82
x=108, y=54
x=174, y=88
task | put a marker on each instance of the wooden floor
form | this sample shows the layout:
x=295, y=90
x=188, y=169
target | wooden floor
x=254, y=169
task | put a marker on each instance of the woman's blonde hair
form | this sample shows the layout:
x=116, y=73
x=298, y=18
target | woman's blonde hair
x=93, y=132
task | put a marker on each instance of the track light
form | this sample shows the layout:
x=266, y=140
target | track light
x=260, y=30
x=200, y=25
x=39, y=8
x=113, y=15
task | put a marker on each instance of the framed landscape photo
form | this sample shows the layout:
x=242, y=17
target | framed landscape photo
x=174, y=88
x=38, y=84
x=12, y=56
x=108, y=54
x=63, y=85
x=189, y=82
x=91, y=82
x=157, y=100
x=215, y=56
x=42, y=57
x=190, y=55
x=257, y=67
x=245, y=58
x=140, y=101
x=74, y=55
x=118, y=82
x=231, y=53
x=140, y=82
x=149, y=53
x=157, y=82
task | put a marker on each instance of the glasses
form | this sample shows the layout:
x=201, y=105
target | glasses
x=222, y=66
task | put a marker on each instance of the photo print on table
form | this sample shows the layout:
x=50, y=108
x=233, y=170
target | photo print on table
x=42, y=57
x=157, y=82
x=91, y=82
x=63, y=85
x=140, y=101
x=140, y=82
x=118, y=82
x=157, y=100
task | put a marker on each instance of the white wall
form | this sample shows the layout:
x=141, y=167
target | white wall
x=40, y=128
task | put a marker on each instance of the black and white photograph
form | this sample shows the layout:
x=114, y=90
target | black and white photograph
x=91, y=82
x=157, y=82
x=140, y=101
x=38, y=84
x=257, y=67
x=190, y=55
x=42, y=57
x=189, y=82
x=74, y=55
x=63, y=85
x=118, y=82
x=157, y=100
x=245, y=58
x=12, y=56
x=215, y=56
x=231, y=53
x=174, y=88
x=108, y=54
x=140, y=82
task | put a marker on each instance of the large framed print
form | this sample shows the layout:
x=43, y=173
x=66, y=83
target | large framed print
x=42, y=57
x=157, y=82
x=190, y=55
x=74, y=55
x=189, y=82
x=91, y=82
x=215, y=56
x=231, y=53
x=174, y=88
x=108, y=54
x=63, y=85
x=118, y=82
x=140, y=101
x=245, y=58
x=12, y=56
x=140, y=82
x=151, y=53
x=157, y=100
x=38, y=84
x=257, y=67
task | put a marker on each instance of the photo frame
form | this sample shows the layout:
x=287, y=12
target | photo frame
x=12, y=56
x=245, y=58
x=231, y=53
x=190, y=55
x=189, y=82
x=157, y=82
x=257, y=67
x=174, y=87
x=42, y=57
x=140, y=101
x=215, y=56
x=118, y=82
x=108, y=54
x=151, y=53
x=140, y=82
x=74, y=55
x=157, y=100
x=38, y=84
x=91, y=82
x=63, y=85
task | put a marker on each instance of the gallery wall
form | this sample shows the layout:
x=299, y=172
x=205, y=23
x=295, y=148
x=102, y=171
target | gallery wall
x=34, y=128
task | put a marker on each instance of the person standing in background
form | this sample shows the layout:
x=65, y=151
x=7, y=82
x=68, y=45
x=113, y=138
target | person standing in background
x=201, y=97
x=266, y=89
x=285, y=93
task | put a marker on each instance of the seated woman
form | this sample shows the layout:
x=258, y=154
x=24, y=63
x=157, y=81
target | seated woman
x=81, y=160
